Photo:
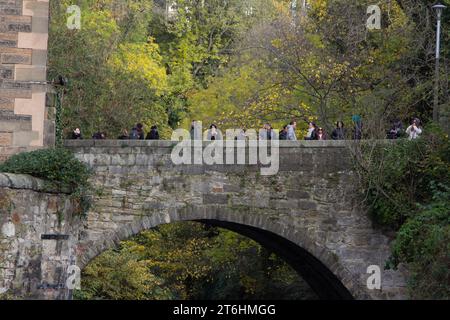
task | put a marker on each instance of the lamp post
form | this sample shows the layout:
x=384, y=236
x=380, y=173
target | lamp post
x=438, y=7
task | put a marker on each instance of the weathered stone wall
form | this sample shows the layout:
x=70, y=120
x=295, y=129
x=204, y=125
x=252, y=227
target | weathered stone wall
x=31, y=267
x=24, y=118
x=309, y=202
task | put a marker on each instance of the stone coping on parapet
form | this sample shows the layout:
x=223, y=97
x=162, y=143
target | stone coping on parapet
x=25, y=181
x=170, y=144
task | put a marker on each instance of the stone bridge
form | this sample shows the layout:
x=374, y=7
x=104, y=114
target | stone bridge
x=307, y=213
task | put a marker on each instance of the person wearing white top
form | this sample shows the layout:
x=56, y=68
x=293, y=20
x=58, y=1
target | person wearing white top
x=263, y=132
x=414, y=131
x=311, y=135
x=267, y=133
x=291, y=131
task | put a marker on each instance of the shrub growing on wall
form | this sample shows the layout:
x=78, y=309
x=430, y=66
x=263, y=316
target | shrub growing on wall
x=59, y=167
x=56, y=165
x=424, y=243
x=406, y=186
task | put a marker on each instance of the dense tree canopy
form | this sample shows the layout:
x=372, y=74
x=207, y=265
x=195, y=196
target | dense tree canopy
x=241, y=63
x=328, y=66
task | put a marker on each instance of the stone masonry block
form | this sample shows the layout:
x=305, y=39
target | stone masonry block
x=8, y=40
x=15, y=55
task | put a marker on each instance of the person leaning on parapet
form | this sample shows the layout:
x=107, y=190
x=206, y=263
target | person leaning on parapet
x=414, y=130
x=263, y=132
x=396, y=130
x=76, y=134
x=242, y=136
x=266, y=133
x=134, y=134
x=283, y=133
x=270, y=133
x=339, y=132
x=153, y=134
x=291, y=131
x=321, y=135
x=192, y=131
x=99, y=136
x=312, y=130
x=140, y=130
x=357, y=130
x=124, y=135
x=213, y=133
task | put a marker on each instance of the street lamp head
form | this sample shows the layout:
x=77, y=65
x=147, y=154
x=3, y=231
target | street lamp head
x=439, y=7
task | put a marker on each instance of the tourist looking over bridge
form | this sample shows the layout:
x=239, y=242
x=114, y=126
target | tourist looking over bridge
x=288, y=132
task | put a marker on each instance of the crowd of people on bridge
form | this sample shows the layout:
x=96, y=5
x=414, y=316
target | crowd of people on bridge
x=136, y=133
x=288, y=132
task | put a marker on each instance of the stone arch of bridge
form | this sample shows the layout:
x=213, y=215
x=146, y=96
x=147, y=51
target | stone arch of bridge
x=313, y=261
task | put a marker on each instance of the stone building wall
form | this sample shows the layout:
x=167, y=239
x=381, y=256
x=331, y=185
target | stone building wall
x=24, y=119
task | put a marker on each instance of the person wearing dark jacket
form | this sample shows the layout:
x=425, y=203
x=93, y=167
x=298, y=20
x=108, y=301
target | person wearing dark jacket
x=192, y=131
x=266, y=133
x=339, y=132
x=99, y=136
x=140, y=130
x=134, y=134
x=283, y=133
x=396, y=130
x=358, y=127
x=153, y=134
x=76, y=134
x=312, y=131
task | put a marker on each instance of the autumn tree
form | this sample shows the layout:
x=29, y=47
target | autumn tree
x=191, y=261
x=327, y=66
